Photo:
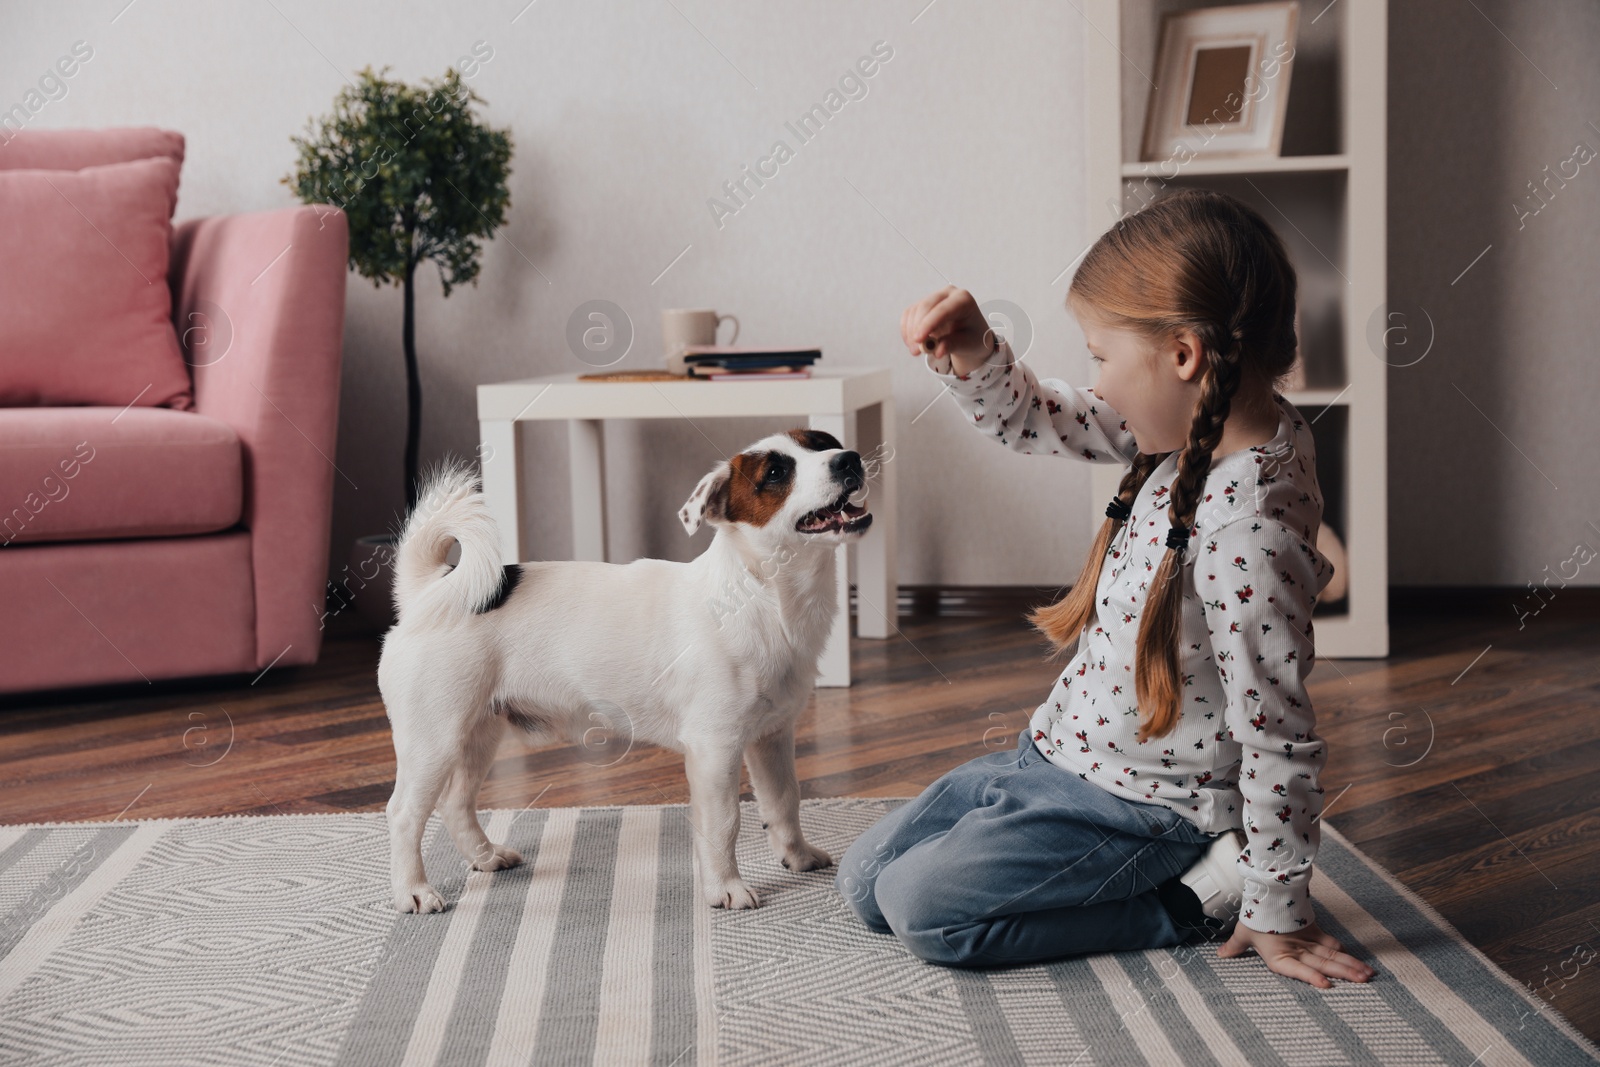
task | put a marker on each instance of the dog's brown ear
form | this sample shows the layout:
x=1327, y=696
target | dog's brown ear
x=709, y=501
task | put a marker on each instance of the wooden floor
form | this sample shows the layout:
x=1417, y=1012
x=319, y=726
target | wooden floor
x=1466, y=763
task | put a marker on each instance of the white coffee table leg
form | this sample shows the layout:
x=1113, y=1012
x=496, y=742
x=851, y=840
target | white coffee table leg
x=833, y=669
x=876, y=576
x=499, y=460
x=588, y=489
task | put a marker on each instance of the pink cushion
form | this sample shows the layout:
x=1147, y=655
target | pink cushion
x=76, y=149
x=92, y=473
x=85, y=308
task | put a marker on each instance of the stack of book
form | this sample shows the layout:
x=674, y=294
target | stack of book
x=730, y=363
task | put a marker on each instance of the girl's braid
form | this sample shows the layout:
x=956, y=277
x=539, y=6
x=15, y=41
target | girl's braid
x=1139, y=471
x=1205, y=432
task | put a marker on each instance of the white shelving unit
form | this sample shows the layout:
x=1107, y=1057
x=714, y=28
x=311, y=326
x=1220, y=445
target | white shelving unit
x=1325, y=195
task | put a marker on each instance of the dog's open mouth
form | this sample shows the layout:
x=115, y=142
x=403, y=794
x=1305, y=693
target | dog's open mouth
x=841, y=516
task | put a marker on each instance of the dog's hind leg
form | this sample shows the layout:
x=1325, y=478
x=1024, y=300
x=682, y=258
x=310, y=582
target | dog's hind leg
x=459, y=808
x=713, y=772
x=427, y=753
x=772, y=775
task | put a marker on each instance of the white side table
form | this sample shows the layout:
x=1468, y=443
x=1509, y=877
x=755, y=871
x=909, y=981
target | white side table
x=855, y=404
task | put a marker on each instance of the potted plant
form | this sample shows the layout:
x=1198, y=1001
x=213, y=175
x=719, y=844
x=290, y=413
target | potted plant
x=419, y=179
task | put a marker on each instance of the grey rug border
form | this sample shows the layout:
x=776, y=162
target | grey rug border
x=1549, y=1011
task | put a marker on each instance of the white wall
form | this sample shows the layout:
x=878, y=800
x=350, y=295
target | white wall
x=961, y=164
x=626, y=118
x=1493, y=438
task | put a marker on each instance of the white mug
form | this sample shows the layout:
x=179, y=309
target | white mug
x=690, y=326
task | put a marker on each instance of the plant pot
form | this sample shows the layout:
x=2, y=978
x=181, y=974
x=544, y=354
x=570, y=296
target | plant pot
x=368, y=580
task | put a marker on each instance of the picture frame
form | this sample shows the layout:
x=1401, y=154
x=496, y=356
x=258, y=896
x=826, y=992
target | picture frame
x=1222, y=83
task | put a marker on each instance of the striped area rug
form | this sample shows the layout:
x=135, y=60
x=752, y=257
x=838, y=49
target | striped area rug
x=270, y=940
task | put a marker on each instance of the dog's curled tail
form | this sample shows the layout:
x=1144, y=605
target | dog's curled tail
x=449, y=508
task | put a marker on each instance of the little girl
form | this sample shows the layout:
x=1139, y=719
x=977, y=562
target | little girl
x=1167, y=786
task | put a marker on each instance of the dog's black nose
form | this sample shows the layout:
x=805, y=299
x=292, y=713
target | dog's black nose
x=846, y=467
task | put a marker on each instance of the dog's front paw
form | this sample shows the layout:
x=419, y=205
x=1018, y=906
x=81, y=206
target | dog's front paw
x=498, y=859
x=421, y=898
x=806, y=857
x=733, y=895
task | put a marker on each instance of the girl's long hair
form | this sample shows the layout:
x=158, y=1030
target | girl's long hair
x=1203, y=261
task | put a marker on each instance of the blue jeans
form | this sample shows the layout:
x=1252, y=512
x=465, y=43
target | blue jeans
x=1009, y=859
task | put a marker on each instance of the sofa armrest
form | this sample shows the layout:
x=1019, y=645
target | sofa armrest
x=258, y=303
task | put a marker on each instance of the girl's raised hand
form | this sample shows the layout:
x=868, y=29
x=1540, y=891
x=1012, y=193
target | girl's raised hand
x=948, y=322
x=1310, y=954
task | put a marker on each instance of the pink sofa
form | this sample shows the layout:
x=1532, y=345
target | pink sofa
x=190, y=542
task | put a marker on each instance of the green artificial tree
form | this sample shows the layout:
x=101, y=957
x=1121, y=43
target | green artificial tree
x=418, y=179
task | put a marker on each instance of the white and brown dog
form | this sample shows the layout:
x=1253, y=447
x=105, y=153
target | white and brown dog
x=714, y=658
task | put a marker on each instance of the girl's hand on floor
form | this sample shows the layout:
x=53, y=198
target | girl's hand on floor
x=1310, y=955
x=950, y=323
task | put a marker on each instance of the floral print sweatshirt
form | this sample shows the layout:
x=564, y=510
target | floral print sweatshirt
x=1245, y=752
